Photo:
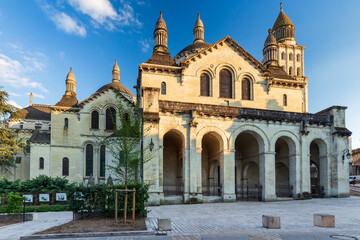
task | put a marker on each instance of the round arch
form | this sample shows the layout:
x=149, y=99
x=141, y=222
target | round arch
x=205, y=70
x=289, y=137
x=205, y=130
x=255, y=131
x=229, y=67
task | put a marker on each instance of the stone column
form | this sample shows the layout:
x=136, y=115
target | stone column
x=305, y=165
x=228, y=175
x=186, y=177
x=295, y=173
x=267, y=175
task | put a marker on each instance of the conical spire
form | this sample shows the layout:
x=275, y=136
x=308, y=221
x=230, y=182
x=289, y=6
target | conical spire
x=199, y=30
x=70, y=83
x=160, y=35
x=116, y=73
x=283, y=27
x=270, y=40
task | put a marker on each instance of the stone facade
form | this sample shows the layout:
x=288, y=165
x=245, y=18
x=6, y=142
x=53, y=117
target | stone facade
x=63, y=132
x=253, y=140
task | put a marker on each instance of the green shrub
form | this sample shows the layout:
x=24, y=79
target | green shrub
x=30, y=209
x=14, y=203
x=3, y=209
x=43, y=208
x=101, y=198
x=59, y=208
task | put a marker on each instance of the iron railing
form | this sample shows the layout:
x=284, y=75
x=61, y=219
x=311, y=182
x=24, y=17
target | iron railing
x=251, y=192
x=284, y=191
x=212, y=189
x=172, y=188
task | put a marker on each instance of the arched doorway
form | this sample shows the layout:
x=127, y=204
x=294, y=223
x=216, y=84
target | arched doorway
x=247, y=180
x=211, y=164
x=173, y=167
x=318, y=168
x=282, y=164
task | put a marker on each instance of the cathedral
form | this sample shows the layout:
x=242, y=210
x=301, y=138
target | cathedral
x=223, y=126
x=230, y=127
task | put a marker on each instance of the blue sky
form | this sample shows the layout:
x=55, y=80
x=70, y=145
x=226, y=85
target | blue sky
x=41, y=39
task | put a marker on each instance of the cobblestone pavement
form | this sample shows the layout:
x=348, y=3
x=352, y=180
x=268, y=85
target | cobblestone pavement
x=225, y=221
x=246, y=217
x=41, y=221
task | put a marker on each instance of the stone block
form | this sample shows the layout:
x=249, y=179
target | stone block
x=271, y=222
x=324, y=220
x=164, y=224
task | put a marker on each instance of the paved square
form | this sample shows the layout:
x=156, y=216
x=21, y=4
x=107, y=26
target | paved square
x=246, y=217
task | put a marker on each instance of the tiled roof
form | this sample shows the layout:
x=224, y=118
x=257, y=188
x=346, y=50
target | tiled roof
x=40, y=137
x=36, y=112
x=67, y=101
x=279, y=72
x=282, y=20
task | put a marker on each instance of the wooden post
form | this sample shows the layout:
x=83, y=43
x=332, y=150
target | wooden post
x=125, y=210
x=116, y=206
x=133, y=213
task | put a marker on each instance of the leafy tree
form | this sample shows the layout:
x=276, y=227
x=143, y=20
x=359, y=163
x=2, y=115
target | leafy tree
x=9, y=142
x=125, y=143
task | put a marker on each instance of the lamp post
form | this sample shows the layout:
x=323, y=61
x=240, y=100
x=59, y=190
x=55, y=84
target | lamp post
x=347, y=154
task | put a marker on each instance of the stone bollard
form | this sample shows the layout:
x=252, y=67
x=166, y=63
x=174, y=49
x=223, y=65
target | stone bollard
x=324, y=220
x=271, y=222
x=164, y=224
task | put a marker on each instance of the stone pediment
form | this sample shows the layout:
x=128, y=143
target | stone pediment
x=216, y=46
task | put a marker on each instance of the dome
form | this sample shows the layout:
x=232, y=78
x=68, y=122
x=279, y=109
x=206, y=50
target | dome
x=282, y=20
x=160, y=23
x=270, y=40
x=115, y=85
x=193, y=48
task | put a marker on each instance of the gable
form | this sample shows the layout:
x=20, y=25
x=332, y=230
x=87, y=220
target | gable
x=218, y=46
x=224, y=55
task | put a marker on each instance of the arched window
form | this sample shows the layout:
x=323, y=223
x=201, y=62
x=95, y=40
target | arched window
x=163, y=88
x=284, y=100
x=298, y=71
x=89, y=157
x=41, y=163
x=66, y=123
x=225, y=84
x=110, y=118
x=298, y=57
x=95, y=120
x=290, y=57
x=204, y=85
x=245, y=89
x=290, y=71
x=65, y=166
x=283, y=56
x=102, y=161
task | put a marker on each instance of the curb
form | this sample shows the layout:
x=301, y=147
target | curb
x=91, y=234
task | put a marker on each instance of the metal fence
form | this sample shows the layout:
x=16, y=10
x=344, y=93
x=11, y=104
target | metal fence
x=284, y=191
x=172, y=188
x=212, y=189
x=249, y=192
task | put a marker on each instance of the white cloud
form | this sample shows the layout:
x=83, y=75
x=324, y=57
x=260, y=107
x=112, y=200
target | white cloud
x=99, y=10
x=68, y=24
x=12, y=72
x=62, y=21
x=12, y=102
x=145, y=45
x=102, y=12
